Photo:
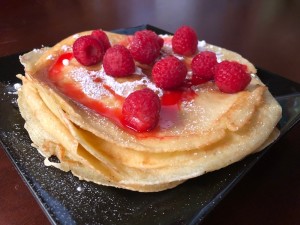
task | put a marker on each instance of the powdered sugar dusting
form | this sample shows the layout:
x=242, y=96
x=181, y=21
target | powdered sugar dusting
x=167, y=50
x=65, y=62
x=50, y=57
x=164, y=36
x=38, y=50
x=66, y=48
x=87, y=80
x=17, y=86
x=75, y=36
x=219, y=56
x=189, y=74
x=201, y=45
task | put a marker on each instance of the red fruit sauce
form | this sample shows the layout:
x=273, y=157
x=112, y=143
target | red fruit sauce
x=170, y=101
x=55, y=70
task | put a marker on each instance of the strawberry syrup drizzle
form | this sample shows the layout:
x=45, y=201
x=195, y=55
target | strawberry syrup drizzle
x=55, y=70
x=72, y=90
x=170, y=101
x=176, y=97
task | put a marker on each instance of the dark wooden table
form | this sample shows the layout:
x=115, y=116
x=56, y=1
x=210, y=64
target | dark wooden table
x=266, y=32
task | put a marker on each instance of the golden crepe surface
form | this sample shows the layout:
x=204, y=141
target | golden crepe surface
x=204, y=131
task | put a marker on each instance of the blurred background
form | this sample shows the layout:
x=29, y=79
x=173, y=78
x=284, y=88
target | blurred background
x=266, y=32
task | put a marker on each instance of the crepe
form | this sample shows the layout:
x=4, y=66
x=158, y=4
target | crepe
x=196, y=135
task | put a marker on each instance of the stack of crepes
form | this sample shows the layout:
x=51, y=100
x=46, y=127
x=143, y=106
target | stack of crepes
x=200, y=129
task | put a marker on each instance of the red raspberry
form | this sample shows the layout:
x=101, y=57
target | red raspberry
x=101, y=36
x=202, y=65
x=198, y=80
x=169, y=72
x=231, y=77
x=145, y=46
x=185, y=41
x=87, y=50
x=118, y=62
x=141, y=110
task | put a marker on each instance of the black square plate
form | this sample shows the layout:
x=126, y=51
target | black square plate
x=66, y=200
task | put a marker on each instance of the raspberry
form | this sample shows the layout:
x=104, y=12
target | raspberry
x=118, y=62
x=185, y=41
x=141, y=110
x=231, y=77
x=196, y=80
x=202, y=65
x=101, y=36
x=169, y=73
x=145, y=46
x=87, y=50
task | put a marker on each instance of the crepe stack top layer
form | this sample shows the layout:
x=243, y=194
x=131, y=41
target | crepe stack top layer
x=73, y=112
